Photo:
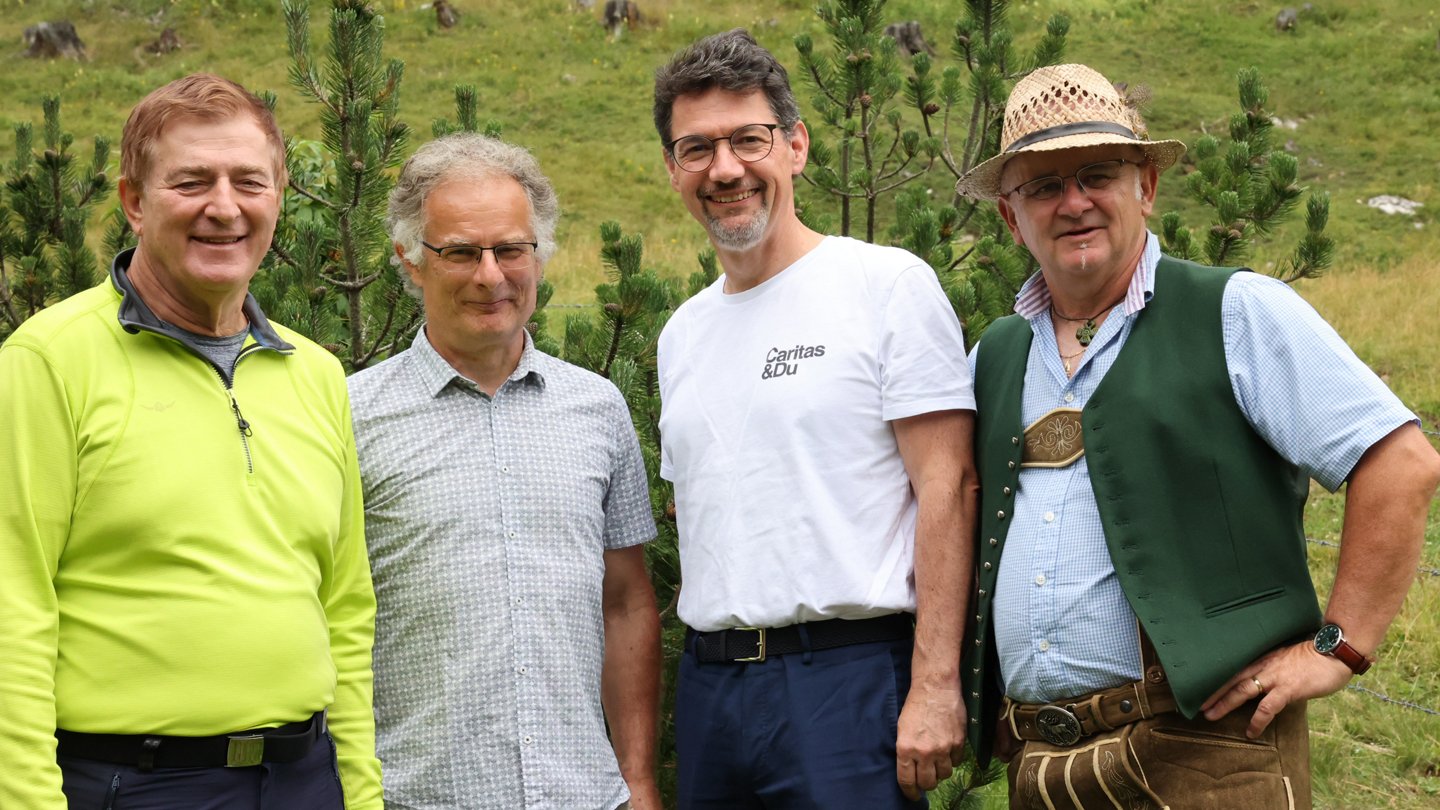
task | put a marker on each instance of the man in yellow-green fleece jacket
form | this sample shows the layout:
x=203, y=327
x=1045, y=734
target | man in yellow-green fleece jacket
x=185, y=604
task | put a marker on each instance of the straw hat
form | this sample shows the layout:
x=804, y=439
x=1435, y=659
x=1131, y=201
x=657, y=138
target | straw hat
x=1064, y=107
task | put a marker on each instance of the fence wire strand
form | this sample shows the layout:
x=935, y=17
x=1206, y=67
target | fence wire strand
x=1355, y=687
x=1434, y=572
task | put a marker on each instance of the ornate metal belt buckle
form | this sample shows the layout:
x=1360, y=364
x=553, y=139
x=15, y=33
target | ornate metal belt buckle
x=1054, y=440
x=1059, y=726
x=245, y=750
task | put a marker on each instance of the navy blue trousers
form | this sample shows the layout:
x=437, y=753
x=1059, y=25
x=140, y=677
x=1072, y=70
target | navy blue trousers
x=313, y=783
x=798, y=731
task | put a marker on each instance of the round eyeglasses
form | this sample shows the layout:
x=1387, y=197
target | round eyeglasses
x=463, y=258
x=695, y=153
x=1090, y=179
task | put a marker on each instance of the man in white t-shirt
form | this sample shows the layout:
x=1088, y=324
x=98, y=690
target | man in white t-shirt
x=816, y=422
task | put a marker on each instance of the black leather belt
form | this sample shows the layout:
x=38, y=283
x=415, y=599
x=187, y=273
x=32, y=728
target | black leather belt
x=753, y=644
x=243, y=749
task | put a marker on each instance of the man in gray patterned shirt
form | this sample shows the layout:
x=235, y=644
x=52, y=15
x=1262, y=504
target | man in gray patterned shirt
x=506, y=512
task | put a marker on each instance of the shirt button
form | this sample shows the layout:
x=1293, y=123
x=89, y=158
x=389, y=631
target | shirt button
x=1069, y=397
x=1039, y=579
x=520, y=670
x=1044, y=647
x=1049, y=518
x=527, y=739
x=504, y=469
x=512, y=534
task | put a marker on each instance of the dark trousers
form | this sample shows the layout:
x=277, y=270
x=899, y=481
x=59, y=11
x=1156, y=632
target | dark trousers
x=312, y=783
x=798, y=731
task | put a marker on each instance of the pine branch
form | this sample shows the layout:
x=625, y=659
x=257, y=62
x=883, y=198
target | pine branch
x=303, y=192
x=7, y=307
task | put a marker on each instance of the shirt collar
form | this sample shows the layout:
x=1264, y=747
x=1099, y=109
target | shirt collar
x=137, y=316
x=1034, y=295
x=437, y=373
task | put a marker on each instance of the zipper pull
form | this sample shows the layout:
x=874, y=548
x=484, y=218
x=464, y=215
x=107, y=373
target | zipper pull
x=114, y=789
x=240, y=421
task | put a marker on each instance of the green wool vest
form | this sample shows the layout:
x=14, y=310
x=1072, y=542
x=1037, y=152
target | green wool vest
x=1203, y=520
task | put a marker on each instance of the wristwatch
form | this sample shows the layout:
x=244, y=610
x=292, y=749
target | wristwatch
x=1330, y=640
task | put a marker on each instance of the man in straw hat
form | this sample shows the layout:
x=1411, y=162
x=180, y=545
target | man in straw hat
x=1145, y=630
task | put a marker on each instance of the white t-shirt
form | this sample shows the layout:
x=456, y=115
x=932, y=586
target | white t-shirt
x=792, y=499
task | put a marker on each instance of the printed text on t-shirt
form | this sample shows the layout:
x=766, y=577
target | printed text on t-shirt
x=783, y=362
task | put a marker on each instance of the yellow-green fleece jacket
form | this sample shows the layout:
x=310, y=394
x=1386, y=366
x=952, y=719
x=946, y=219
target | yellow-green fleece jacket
x=162, y=571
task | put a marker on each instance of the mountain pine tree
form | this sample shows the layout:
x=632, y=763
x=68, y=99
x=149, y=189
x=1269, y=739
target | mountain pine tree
x=47, y=202
x=330, y=273
x=1251, y=187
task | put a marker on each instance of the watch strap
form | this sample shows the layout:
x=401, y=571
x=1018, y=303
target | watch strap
x=1357, y=661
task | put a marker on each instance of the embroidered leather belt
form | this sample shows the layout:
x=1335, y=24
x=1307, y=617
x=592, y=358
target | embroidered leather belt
x=1054, y=440
x=755, y=644
x=1069, y=721
x=287, y=743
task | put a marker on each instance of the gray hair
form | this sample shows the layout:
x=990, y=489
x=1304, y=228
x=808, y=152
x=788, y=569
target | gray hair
x=468, y=155
x=731, y=61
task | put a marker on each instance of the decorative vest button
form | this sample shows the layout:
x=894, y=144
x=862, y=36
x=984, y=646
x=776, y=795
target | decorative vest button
x=1014, y=439
x=978, y=642
x=988, y=566
x=1000, y=514
x=982, y=591
x=994, y=542
x=1010, y=464
x=1006, y=490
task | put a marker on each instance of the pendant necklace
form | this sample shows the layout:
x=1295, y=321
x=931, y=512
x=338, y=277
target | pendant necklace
x=1066, y=358
x=1088, y=327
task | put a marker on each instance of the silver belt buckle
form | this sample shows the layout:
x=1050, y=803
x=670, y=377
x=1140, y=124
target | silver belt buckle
x=1059, y=726
x=245, y=750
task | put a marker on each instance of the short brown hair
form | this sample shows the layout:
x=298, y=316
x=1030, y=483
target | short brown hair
x=731, y=61
x=202, y=96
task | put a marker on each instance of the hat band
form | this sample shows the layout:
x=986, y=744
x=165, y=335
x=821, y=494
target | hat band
x=1078, y=128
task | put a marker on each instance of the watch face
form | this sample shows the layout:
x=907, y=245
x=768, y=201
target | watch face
x=1328, y=639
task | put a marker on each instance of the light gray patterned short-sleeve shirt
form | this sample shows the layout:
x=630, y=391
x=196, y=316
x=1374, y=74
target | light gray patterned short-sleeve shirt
x=487, y=521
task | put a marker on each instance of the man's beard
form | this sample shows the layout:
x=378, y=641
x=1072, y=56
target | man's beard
x=742, y=236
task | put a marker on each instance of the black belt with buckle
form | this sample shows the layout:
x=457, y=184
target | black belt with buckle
x=243, y=749
x=754, y=644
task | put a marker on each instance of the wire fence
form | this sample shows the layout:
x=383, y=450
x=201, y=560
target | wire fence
x=1433, y=572
x=1355, y=687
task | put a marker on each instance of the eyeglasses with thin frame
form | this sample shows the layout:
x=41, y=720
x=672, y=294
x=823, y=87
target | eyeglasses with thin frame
x=463, y=258
x=750, y=143
x=1090, y=179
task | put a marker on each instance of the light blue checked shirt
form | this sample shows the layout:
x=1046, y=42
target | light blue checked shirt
x=1062, y=624
x=488, y=519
